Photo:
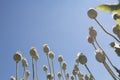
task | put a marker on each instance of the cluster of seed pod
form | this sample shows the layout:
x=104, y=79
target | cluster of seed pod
x=101, y=56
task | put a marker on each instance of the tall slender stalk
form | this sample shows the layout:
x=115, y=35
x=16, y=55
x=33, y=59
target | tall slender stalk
x=36, y=69
x=33, y=68
x=16, y=70
x=61, y=71
x=49, y=63
x=89, y=70
x=106, y=30
x=53, y=69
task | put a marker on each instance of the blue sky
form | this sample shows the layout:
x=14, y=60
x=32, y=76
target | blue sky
x=62, y=24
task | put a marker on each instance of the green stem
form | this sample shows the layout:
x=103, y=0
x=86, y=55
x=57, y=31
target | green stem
x=36, y=70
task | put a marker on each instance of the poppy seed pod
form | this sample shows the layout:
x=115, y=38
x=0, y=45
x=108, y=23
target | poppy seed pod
x=24, y=62
x=82, y=59
x=33, y=52
x=46, y=48
x=12, y=78
x=116, y=16
x=18, y=56
x=92, y=13
x=76, y=68
x=36, y=57
x=64, y=65
x=90, y=39
x=60, y=58
x=49, y=76
x=72, y=77
x=116, y=29
x=27, y=73
x=86, y=77
x=45, y=68
x=74, y=72
x=22, y=79
x=100, y=57
x=59, y=74
x=51, y=55
x=92, y=32
x=80, y=75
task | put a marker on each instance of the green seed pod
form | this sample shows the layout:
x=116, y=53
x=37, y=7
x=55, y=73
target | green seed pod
x=17, y=57
x=92, y=32
x=59, y=74
x=45, y=68
x=51, y=55
x=27, y=73
x=90, y=39
x=12, y=78
x=64, y=65
x=100, y=57
x=33, y=52
x=46, y=48
x=49, y=76
x=24, y=62
x=60, y=58
x=92, y=13
x=82, y=59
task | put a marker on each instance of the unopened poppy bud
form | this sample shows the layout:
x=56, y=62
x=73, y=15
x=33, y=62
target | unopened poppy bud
x=60, y=58
x=49, y=76
x=46, y=48
x=24, y=62
x=12, y=78
x=33, y=52
x=116, y=29
x=90, y=39
x=45, y=68
x=18, y=56
x=82, y=59
x=92, y=13
x=64, y=65
x=59, y=74
x=100, y=57
x=92, y=32
x=51, y=55
x=27, y=73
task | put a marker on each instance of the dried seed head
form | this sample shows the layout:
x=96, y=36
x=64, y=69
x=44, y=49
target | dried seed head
x=116, y=29
x=59, y=74
x=92, y=32
x=45, y=68
x=92, y=13
x=46, y=48
x=60, y=58
x=100, y=57
x=51, y=55
x=33, y=52
x=64, y=65
x=82, y=59
x=90, y=39
x=18, y=56
x=24, y=62
x=27, y=73
x=12, y=78
x=49, y=76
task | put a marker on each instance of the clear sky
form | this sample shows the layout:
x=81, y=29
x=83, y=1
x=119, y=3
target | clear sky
x=62, y=24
